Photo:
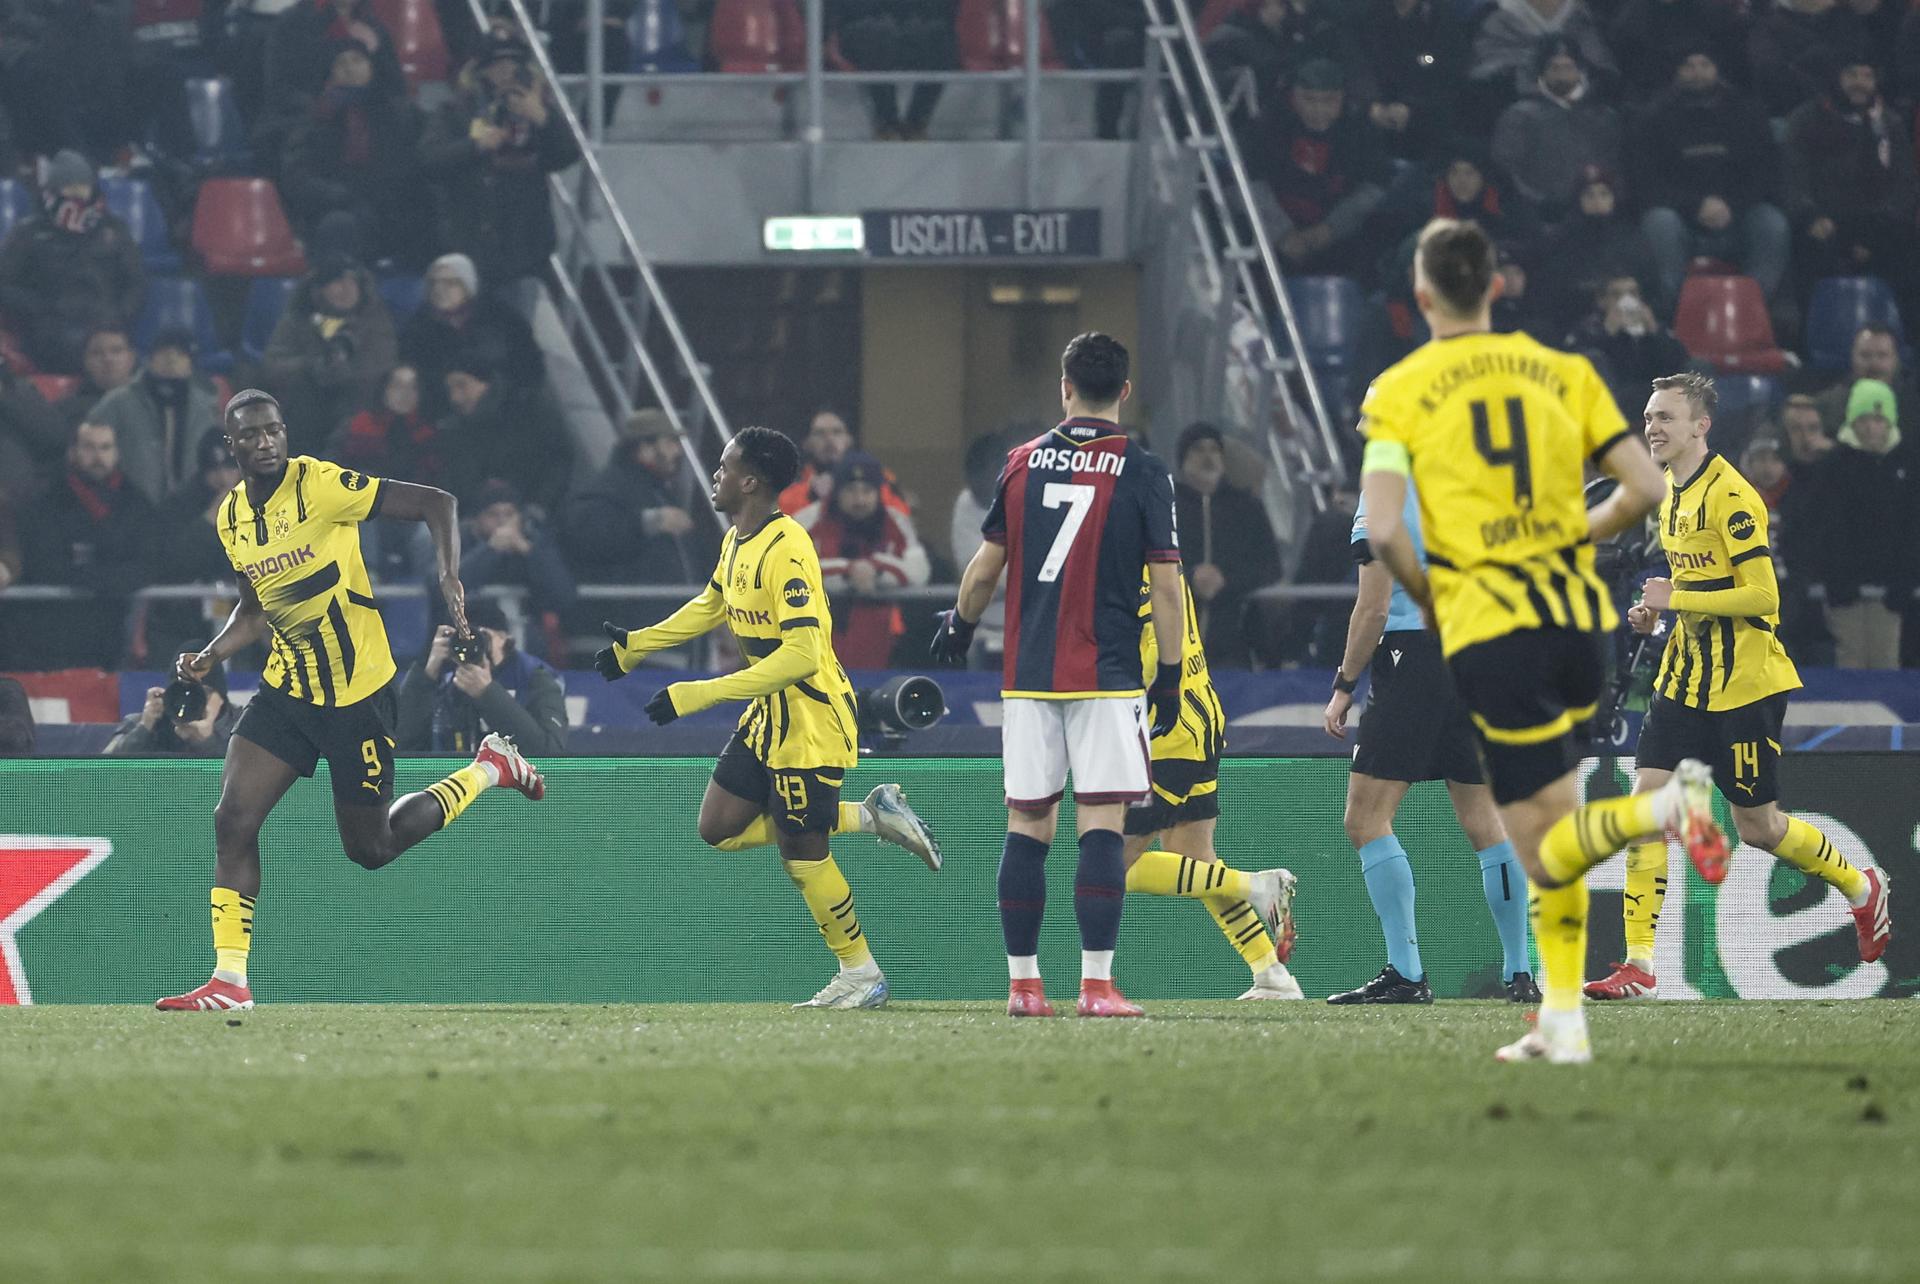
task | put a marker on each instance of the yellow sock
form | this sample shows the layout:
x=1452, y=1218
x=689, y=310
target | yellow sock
x=1560, y=934
x=825, y=890
x=1243, y=930
x=457, y=792
x=761, y=834
x=1808, y=850
x=232, y=932
x=1170, y=874
x=1646, y=893
x=1579, y=841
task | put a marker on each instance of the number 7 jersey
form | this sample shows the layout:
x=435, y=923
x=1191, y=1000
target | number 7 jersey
x=1081, y=511
x=1499, y=430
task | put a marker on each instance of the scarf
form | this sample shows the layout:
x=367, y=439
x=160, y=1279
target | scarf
x=77, y=217
x=99, y=507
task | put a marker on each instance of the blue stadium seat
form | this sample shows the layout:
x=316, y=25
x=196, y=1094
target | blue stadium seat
x=181, y=301
x=1840, y=306
x=1330, y=311
x=219, y=135
x=132, y=202
x=266, y=301
x=1748, y=395
x=402, y=295
x=658, y=38
x=17, y=204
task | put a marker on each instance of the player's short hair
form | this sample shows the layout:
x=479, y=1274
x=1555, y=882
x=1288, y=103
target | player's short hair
x=249, y=397
x=1457, y=259
x=1697, y=388
x=1096, y=365
x=769, y=455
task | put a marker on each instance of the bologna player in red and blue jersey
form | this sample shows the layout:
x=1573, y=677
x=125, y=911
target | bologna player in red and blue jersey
x=1080, y=514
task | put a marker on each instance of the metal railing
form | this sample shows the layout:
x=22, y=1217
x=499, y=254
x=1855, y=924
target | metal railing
x=618, y=372
x=1244, y=249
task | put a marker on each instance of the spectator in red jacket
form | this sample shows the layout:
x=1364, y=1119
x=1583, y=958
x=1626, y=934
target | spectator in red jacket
x=868, y=552
x=1323, y=171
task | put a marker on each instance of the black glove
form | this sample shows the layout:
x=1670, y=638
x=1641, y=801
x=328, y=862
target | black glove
x=661, y=709
x=606, y=658
x=952, y=639
x=1163, y=699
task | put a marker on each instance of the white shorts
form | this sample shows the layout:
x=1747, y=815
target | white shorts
x=1102, y=740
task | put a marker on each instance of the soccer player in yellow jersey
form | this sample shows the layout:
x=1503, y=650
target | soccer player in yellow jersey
x=291, y=529
x=1496, y=431
x=778, y=780
x=1169, y=835
x=1721, y=693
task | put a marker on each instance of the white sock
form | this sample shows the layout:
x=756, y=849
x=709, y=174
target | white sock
x=865, y=972
x=1023, y=967
x=1096, y=965
x=230, y=977
x=1644, y=962
x=489, y=769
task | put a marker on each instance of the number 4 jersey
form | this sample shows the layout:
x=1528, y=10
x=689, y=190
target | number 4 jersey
x=1498, y=431
x=1081, y=511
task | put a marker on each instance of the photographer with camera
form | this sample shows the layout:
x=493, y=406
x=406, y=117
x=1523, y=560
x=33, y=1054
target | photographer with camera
x=184, y=717
x=464, y=689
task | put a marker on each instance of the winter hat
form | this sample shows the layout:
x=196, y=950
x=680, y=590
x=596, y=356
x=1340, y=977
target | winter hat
x=1871, y=397
x=330, y=267
x=178, y=337
x=66, y=169
x=459, y=267
x=494, y=492
x=1321, y=74
x=1591, y=174
x=1547, y=48
x=475, y=364
x=858, y=467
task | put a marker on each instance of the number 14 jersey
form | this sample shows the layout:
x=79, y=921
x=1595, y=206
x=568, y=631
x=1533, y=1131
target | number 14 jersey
x=1499, y=430
x=1081, y=511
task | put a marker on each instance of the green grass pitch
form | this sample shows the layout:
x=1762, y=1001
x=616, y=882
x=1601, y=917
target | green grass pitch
x=1215, y=1141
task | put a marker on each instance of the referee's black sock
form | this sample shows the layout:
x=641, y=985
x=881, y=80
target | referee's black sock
x=1100, y=890
x=1023, y=900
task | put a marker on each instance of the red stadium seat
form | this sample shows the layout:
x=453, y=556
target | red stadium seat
x=1217, y=12
x=792, y=27
x=745, y=36
x=1723, y=319
x=992, y=35
x=52, y=387
x=418, y=40
x=240, y=229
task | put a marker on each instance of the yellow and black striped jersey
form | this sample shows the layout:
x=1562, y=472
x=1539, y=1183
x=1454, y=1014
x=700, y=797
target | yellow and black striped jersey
x=767, y=589
x=301, y=552
x=1724, y=651
x=1498, y=429
x=1201, y=733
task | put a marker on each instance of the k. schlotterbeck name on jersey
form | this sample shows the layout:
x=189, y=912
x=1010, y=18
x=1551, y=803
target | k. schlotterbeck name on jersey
x=983, y=234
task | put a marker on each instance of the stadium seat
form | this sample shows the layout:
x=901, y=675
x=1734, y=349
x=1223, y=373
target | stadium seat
x=418, y=41
x=1840, y=306
x=658, y=38
x=54, y=387
x=133, y=203
x=239, y=229
x=180, y=301
x=16, y=204
x=1330, y=311
x=744, y=36
x=219, y=135
x=1217, y=12
x=402, y=295
x=992, y=35
x=1723, y=320
x=1748, y=395
x=266, y=300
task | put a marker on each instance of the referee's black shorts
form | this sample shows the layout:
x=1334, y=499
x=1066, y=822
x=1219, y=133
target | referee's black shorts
x=1528, y=693
x=1414, y=726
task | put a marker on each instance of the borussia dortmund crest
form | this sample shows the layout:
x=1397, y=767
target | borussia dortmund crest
x=281, y=526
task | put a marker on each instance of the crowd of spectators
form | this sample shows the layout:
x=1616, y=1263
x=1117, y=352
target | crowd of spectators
x=1610, y=146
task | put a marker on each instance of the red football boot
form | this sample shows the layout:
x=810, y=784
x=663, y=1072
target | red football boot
x=1871, y=922
x=1693, y=823
x=1100, y=999
x=515, y=771
x=1028, y=999
x=215, y=996
x=1625, y=982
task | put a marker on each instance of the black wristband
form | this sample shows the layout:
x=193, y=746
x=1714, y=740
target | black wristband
x=1344, y=684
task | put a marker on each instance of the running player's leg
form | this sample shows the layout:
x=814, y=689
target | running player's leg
x=1371, y=804
x=1239, y=921
x=884, y=814
x=252, y=782
x=727, y=820
x=1501, y=879
x=804, y=805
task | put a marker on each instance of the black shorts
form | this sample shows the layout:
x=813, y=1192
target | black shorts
x=1528, y=693
x=1414, y=726
x=1741, y=745
x=1184, y=789
x=801, y=800
x=355, y=739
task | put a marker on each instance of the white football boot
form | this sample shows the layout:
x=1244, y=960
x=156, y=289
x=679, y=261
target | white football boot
x=889, y=819
x=1275, y=983
x=1558, y=1038
x=849, y=990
